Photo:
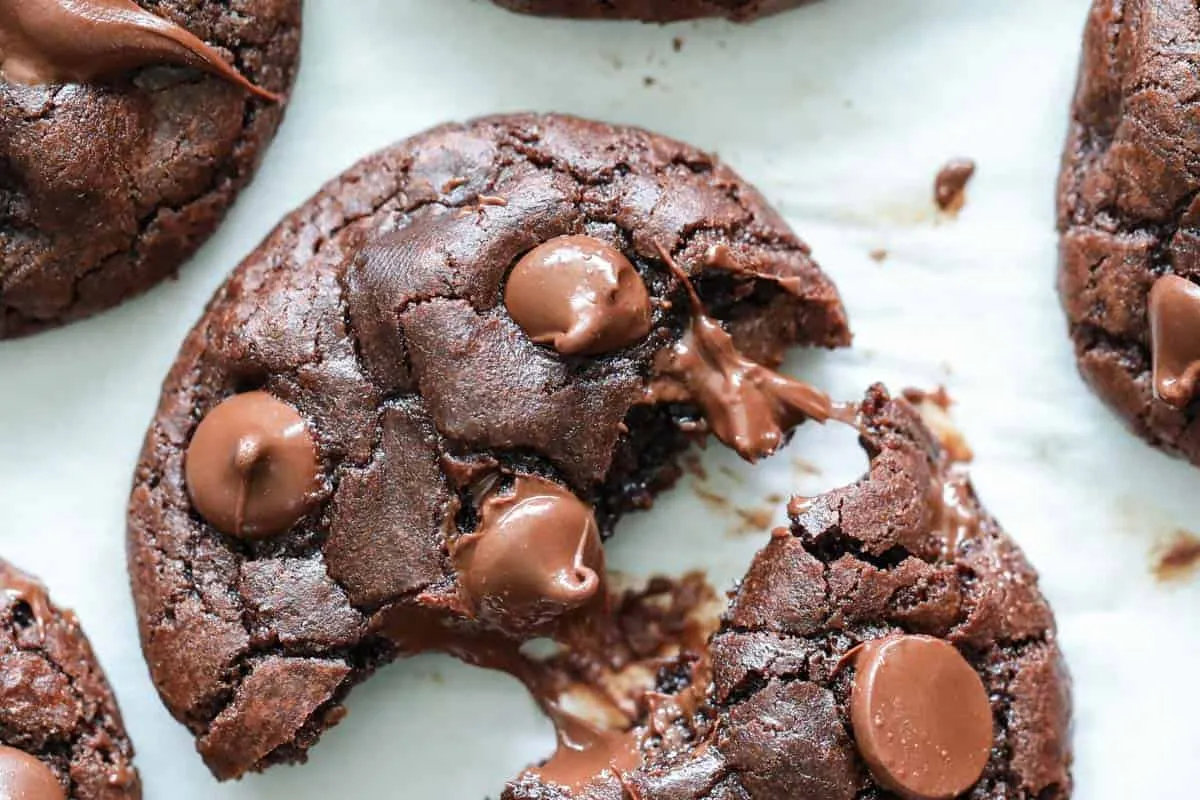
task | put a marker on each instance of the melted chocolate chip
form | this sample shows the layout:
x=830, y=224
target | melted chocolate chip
x=61, y=41
x=748, y=406
x=921, y=717
x=535, y=556
x=23, y=777
x=580, y=295
x=1175, y=339
x=252, y=466
x=586, y=752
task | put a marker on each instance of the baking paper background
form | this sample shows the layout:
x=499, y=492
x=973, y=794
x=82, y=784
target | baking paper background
x=841, y=113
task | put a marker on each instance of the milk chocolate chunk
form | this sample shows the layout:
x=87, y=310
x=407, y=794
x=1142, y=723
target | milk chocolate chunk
x=61, y=41
x=921, y=717
x=23, y=777
x=1175, y=339
x=535, y=555
x=252, y=467
x=580, y=295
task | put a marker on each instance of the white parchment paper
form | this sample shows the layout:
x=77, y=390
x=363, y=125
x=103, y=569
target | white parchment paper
x=841, y=113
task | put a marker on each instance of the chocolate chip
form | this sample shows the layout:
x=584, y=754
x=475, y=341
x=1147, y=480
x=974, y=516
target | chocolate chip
x=921, y=717
x=252, y=468
x=535, y=555
x=23, y=777
x=580, y=295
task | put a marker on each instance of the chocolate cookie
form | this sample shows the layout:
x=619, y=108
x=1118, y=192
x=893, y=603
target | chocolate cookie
x=61, y=734
x=891, y=643
x=653, y=10
x=126, y=131
x=406, y=421
x=1130, y=219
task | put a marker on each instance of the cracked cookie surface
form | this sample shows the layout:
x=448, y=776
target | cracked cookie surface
x=417, y=427
x=109, y=182
x=1130, y=220
x=653, y=10
x=57, y=705
x=765, y=710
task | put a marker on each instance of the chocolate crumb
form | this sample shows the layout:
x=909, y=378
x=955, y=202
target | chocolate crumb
x=677, y=44
x=1178, y=559
x=649, y=81
x=949, y=188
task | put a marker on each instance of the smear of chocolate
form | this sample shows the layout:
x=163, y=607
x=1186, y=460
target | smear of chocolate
x=77, y=41
x=1180, y=559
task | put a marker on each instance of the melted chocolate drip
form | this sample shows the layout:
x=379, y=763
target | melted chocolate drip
x=747, y=405
x=65, y=41
x=1175, y=339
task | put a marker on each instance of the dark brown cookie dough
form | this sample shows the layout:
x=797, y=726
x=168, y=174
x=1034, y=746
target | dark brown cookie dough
x=61, y=734
x=653, y=10
x=1130, y=220
x=375, y=323
x=892, y=643
x=122, y=145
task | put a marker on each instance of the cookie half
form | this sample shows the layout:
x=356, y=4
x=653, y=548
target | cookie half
x=61, y=734
x=126, y=132
x=508, y=326
x=653, y=10
x=1129, y=274
x=892, y=642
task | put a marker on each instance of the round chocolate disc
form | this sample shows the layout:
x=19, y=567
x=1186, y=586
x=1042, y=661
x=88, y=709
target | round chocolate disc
x=252, y=466
x=23, y=777
x=580, y=295
x=921, y=717
x=536, y=555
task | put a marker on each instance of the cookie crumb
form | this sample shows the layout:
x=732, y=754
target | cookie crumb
x=677, y=44
x=1178, y=558
x=878, y=255
x=950, y=186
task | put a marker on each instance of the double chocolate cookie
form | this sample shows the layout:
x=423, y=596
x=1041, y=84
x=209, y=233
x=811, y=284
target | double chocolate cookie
x=126, y=131
x=406, y=421
x=892, y=642
x=61, y=734
x=653, y=10
x=1130, y=219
